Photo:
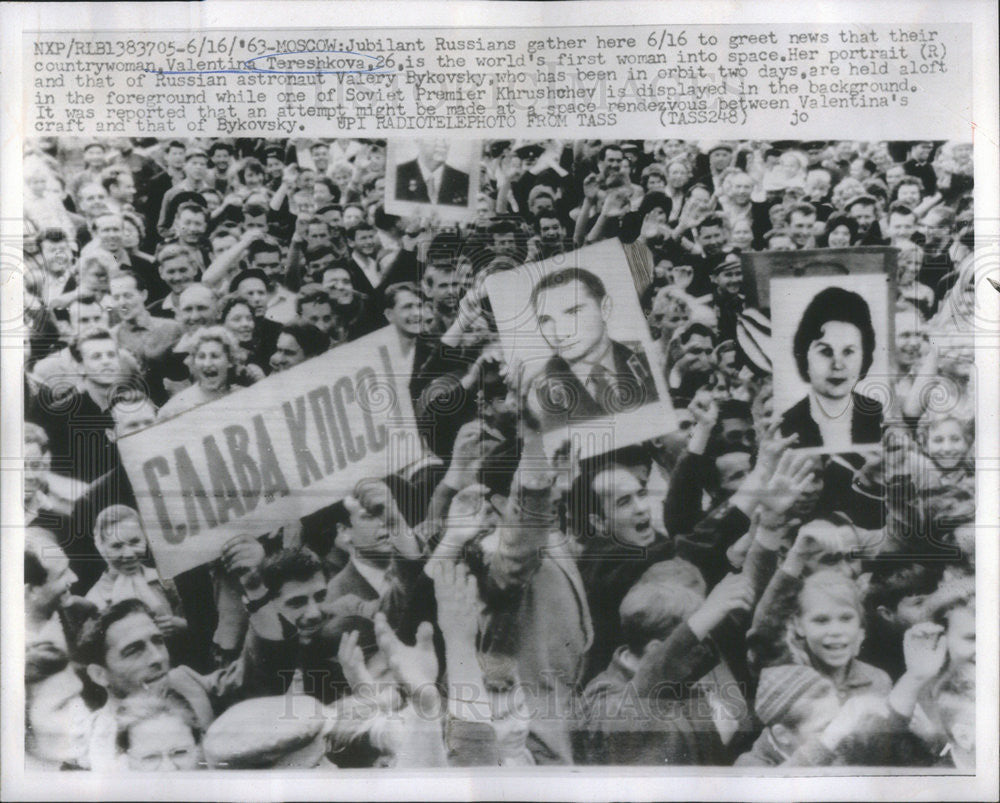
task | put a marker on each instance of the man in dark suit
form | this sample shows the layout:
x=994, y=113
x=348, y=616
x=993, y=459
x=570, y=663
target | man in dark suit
x=427, y=179
x=589, y=375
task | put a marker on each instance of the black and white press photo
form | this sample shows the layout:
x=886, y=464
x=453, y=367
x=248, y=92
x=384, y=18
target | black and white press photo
x=424, y=453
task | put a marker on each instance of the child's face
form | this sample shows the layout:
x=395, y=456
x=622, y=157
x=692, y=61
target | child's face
x=946, y=444
x=910, y=610
x=961, y=636
x=831, y=629
x=125, y=547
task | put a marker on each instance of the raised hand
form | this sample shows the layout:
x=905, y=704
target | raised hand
x=414, y=668
x=352, y=662
x=732, y=593
x=242, y=556
x=467, y=455
x=458, y=602
x=793, y=475
x=925, y=650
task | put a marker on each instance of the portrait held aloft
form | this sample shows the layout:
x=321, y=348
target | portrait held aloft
x=432, y=175
x=582, y=347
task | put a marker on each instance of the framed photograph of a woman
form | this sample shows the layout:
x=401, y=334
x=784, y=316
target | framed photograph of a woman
x=831, y=344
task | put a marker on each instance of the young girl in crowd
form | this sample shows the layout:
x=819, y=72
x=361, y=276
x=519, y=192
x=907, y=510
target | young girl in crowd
x=827, y=630
x=122, y=543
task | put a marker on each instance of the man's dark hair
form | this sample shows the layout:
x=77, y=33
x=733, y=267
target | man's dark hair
x=695, y=328
x=299, y=564
x=191, y=206
x=263, y=245
x=609, y=147
x=894, y=580
x=900, y=209
x=833, y=304
x=175, y=143
x=364, y=225
x=93, y=644
x=592, y=282
x=547, y=214
x=710, y=221
x=311, y=339
x=393, y=291
x=803, y=208
x=334, y=207
x=52, y=235
x=243, y=275
x=312, y=294
x=94, y=333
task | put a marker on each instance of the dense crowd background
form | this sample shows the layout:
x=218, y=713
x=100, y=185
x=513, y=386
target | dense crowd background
x=712, y=597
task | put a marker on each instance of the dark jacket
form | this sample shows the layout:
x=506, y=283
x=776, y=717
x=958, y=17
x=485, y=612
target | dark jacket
x=410, y=185
x=562, y=397
x=866, y=422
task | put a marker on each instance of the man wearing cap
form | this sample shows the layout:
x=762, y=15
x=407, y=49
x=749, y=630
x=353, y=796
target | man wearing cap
x=429, y=179
x=863, y=209
x=278, y=732
x=918, y=164
x=534, y=174
x=710, y=167
x=727, y=295
x=195, y=180
x=796, y=704
x=274, y=166
x=589, y=375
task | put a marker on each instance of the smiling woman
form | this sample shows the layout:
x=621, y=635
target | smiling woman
x=214, y=365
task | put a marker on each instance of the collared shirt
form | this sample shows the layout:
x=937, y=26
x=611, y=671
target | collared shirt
x=376, y=577
x=402, y=352
x=147, y=337
x=369, y=266
x=281, y=306
x=584, y=371
x=432, y=178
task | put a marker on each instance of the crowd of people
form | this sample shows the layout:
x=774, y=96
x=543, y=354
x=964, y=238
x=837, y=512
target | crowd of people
x=714, y=596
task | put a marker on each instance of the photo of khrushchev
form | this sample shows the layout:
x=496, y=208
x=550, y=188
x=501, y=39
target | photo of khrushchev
x=725, y=590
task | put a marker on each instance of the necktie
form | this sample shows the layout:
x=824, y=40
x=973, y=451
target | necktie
x=602, y=387
x=432, y=189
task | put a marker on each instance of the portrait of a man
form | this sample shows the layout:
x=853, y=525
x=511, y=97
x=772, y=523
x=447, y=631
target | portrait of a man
x=430, y=179
x=588, y=375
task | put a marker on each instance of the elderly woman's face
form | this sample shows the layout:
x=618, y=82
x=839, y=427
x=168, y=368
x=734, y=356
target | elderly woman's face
x=834, y=359
x=211, y=366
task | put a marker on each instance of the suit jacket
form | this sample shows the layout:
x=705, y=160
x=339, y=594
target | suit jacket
x=410, y=185
x=562, y=397
x=866, y=422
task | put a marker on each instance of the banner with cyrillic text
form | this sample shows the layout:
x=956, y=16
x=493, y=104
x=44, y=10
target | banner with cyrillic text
x=268, y=454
